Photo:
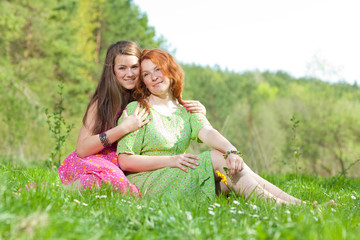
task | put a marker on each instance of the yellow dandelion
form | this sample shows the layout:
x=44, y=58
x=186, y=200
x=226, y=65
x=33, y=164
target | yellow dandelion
x=222, y=176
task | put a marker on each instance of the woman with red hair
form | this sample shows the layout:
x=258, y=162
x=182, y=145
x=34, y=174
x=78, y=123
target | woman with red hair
x=94, y=162
x=155, y=157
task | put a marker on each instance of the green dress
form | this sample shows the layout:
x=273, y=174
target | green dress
x=165, y=136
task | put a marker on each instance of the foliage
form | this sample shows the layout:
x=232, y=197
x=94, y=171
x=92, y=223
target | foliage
x=43, y=41
x=58, y=127
x=52, y=212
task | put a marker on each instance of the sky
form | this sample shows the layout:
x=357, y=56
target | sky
x=304, y=38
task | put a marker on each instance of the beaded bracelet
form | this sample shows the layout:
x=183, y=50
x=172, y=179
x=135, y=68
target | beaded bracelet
x=104, y=140
x=232, y=151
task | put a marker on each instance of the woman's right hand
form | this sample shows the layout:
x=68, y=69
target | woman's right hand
x=135, y=120
x=184, y=160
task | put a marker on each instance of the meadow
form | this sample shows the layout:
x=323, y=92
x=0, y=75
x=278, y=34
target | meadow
x=52, y=212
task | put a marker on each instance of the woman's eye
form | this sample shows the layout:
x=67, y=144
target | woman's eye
x=121, y=68
x=157, y=69
x=135, y=67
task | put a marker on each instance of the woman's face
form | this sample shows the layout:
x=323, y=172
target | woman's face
x=126, y=69
x=157, y=83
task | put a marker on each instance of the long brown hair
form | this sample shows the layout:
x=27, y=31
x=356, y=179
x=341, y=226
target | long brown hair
x=169, y=67
x=110, y=97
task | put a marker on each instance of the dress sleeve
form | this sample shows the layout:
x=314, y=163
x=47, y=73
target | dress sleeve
x=197, y=121
x=131, y=143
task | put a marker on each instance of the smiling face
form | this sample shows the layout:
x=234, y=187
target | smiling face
x=126, y=69
x=155, y=81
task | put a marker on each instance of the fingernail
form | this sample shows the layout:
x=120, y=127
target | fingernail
x=148, y=111
x=149, y=119
x=186, y=108
x=184, y=105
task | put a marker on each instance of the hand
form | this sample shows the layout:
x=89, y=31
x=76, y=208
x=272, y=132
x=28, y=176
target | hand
x=235, y=163
x=185, y=160
x=194, y=106
x=135, y=120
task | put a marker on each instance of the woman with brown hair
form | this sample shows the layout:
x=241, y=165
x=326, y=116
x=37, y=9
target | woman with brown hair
x=94, y=161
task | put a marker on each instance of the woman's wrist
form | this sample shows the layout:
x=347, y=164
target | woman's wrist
x=232, y=152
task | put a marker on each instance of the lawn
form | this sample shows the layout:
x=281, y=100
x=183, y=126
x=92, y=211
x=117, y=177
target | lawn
x=52, y=212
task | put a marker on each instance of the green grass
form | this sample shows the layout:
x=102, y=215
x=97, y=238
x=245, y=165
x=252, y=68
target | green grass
x=52, y=212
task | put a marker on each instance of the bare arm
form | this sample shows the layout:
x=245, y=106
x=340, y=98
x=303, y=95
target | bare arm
x=89, y=144
x=212, y=138
x=142, y=163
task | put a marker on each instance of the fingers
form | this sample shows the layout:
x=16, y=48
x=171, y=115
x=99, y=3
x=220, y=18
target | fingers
x=188, y=160
x=125, y=115
x=145, y=122
x=136, y=112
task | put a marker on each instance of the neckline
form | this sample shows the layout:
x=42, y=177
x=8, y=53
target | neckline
x=167, y=116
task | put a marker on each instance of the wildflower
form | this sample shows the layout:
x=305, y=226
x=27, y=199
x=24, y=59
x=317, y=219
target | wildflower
x=236, y=202
x=77, y=201
x=188, y=215
x=102, y=196
x=232, y=211
x=233, y=220
x=138, y=206
x=353, y=197
x=211, y=213
x=240, y=212
x=172, y=218
x=254, y=207
x=222, y=176
x=287, y=211
x=255, y=216
x=84, y=204
x=315, y=218
x=216, y=205
x=333, y=210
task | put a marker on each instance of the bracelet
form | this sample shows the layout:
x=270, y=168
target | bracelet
x=104, y=140
x=232, y=151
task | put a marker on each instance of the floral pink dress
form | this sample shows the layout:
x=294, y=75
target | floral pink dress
x=95, y=170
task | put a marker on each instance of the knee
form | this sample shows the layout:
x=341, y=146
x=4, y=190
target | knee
x=217, y=159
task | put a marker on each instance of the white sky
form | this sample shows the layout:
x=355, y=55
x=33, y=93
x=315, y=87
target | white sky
x=240, y=35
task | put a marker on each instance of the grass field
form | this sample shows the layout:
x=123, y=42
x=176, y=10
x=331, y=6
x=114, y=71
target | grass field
x=52, y=212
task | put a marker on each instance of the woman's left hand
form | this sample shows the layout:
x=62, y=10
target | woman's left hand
x=235, y=163
x=194, y=106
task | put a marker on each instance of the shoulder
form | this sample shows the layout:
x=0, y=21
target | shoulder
x=131, y=106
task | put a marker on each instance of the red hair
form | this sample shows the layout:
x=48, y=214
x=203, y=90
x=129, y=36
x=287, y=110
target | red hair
x=169, y=67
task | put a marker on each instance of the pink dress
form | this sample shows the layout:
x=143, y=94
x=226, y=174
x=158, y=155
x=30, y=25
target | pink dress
x=95, y=170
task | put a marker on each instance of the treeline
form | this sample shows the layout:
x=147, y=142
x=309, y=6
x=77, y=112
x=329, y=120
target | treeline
x=281, y=124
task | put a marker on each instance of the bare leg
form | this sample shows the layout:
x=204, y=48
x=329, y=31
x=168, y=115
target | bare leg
x=272, y=188
x=244, y=182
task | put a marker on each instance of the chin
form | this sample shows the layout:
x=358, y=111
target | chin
x=129, y=86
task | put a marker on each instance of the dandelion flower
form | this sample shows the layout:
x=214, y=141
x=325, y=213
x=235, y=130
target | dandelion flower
x=222, y=176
